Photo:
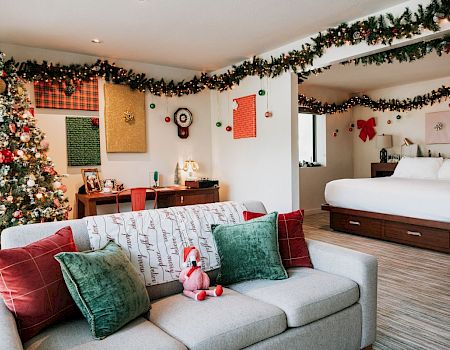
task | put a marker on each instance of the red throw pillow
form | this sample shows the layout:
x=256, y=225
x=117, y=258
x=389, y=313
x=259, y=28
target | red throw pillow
x=291, y=239
x=32, y=285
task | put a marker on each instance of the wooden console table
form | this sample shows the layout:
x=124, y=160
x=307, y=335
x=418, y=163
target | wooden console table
x=86, y=204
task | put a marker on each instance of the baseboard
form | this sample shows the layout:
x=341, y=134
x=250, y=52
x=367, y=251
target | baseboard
x=313, y=211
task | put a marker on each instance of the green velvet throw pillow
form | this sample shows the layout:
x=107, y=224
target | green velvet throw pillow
x=105, y=286
x=249, y=250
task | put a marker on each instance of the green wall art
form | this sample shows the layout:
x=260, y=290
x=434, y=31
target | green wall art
x=83, y=141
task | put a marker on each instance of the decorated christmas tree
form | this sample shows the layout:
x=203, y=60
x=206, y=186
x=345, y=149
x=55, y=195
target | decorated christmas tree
x=30, y=189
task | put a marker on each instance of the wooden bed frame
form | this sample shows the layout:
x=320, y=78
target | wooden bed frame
x=421, y=233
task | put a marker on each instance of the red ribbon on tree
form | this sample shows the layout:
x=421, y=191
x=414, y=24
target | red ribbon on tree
x=367, y=129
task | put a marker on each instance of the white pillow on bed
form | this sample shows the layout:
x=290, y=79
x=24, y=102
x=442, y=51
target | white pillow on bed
x=418, y=168
x=444, y=171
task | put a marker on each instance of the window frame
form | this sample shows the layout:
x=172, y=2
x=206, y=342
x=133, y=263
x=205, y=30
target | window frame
x=302, y=110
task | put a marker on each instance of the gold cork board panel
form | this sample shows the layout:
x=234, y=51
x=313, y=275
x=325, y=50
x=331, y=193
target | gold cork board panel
x=124, y=119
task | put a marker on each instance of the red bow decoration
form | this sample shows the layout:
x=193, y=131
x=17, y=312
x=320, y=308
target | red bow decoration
x=367, y=129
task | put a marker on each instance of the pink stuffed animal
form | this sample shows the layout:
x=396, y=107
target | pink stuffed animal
x=195, y=280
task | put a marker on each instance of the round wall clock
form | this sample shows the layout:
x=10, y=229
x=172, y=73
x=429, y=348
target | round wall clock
x=183, y=119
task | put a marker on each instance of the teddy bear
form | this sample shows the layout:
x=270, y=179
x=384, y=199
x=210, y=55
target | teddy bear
x=195, y=280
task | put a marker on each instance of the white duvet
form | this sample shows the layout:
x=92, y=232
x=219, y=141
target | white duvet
x=423, y=199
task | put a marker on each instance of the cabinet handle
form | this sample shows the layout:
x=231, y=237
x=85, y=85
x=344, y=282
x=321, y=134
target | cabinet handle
x=356, y=223
x=182, y=199
x=414, y=233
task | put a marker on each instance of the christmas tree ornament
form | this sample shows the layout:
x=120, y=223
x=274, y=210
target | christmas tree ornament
x=12, y=128
x=398, y=117
x=44, y=144
x=268, y=114
x=218, y=124
x=261, y=92
x=228, y=128
x=25, y=137
x=152, y=106
x=31, y=183
x=18, y=214
x=10, y=199
x=167, y=119
x=56, y=185
x=2, y=86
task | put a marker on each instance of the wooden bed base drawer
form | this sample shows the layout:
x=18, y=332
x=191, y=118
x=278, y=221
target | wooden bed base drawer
x=358, y=225
x=419, y=236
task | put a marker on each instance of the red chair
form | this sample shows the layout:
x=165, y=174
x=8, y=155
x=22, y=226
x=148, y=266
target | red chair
x=138, y=197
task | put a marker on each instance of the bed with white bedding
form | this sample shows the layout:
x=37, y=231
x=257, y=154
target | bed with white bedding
x=416, y=198
x=411, y=207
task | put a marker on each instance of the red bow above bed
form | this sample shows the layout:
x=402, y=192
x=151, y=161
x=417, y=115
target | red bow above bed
x=367, y=129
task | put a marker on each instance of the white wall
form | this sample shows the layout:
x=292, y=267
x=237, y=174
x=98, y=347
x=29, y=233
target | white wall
x=164, y=147
x=411, y=125
x=339, y=150
x=258, y=168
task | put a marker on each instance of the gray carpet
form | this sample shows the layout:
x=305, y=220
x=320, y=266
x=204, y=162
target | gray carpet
x=413, y=289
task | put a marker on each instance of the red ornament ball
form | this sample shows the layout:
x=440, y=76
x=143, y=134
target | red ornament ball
x=167, y=119
x=350, y=129
x=335, y=134
x=389, y=121
x=228, y=128
x=268, y=114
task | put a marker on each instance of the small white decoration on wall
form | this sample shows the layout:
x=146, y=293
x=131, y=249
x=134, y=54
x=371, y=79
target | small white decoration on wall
x=436, y=127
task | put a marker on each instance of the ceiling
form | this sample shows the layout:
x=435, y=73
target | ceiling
x=361, y=78
x=197, y=34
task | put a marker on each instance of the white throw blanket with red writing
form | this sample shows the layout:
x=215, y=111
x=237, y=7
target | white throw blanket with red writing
x=154, y=239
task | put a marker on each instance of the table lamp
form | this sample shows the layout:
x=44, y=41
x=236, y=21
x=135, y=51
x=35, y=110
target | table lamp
x=190, y=166
x=383, y=142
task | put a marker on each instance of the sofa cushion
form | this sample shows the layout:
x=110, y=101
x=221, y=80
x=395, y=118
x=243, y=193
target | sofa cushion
x=232, y=321
x=32, y=285
x=75, y=335
x=105, y=286
x=306, y=296
x=249, y=250
x=291, y=239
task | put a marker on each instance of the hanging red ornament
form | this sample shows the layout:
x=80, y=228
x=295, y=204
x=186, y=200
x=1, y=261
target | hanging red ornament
x=350, y=129
x=167, y=119
x=335, y=134
x=26, y=129
x=268, y=114
x=228, y=128
x=389, y=121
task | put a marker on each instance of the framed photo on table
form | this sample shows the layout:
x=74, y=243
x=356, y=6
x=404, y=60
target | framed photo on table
x=91, y=180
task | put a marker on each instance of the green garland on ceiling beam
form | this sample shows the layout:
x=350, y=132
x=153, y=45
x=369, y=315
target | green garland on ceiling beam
x=392, y=105
x=407, y=53
x=373, y=30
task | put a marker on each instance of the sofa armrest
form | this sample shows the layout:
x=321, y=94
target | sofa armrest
x=9, y=336
x=359, y=267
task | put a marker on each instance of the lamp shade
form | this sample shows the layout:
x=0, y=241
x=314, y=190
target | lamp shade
x=384, y=141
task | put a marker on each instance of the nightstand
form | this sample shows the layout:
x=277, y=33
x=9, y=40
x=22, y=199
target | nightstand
x=382, y=169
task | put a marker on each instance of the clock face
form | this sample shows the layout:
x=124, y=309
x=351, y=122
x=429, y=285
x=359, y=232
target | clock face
x=183, y=117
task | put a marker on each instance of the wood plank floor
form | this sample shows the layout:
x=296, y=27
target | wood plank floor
x=413, y=289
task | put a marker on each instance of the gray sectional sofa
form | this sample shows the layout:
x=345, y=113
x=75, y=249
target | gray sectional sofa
x=332, y=306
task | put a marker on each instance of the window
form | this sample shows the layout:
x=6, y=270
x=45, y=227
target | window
x=311, y=139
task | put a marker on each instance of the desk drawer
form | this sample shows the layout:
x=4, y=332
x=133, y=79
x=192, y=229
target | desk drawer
x=419, y=236
x=356, y=224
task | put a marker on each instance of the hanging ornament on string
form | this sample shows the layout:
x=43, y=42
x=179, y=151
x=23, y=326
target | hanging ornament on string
x=152, y=105
x=218, y=123
x=268, y=113
x=336, y=133
x=351, y=127
x=398, y=117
